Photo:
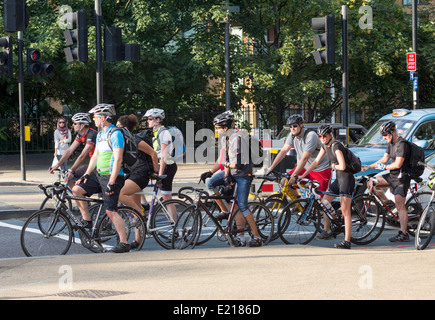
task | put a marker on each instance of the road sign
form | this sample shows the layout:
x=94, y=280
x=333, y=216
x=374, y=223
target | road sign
x=411, y=59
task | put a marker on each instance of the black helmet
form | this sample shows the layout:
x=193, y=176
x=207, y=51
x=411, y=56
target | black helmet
x=295, y=118
x=324, y=129
x=387, y=127
x=224, y=119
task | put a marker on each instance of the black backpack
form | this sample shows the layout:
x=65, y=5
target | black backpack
x=147, y=136
x=353, y=163
x=130, y=154
x=413, y=168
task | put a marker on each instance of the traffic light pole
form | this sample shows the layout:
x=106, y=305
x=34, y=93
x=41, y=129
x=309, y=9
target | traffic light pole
x=20, y=36
x=99, y=56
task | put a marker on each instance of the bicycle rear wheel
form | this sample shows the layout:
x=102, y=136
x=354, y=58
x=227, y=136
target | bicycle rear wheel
x=299, y=222
x=46, y=232
x=135, y=229
x=415, y=207
x=162, y=224
x=187, y=228
x=367, y=219
x=425, y=228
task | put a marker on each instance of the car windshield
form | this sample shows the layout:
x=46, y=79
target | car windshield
x=374, y=139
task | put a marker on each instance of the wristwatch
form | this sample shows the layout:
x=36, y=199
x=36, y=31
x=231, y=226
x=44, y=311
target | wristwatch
x=71, y=170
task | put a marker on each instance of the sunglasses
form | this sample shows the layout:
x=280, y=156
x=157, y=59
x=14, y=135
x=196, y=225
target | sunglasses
x=385, y=134
x=293, y=125
x=323, y=136
x=62, y=122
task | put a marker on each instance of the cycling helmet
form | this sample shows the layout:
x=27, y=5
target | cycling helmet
x=324, y=129
x=224, y=119
x=155, y=113
x=387, y=127
x=104, y=109
x=295, y=118
x=81, y=118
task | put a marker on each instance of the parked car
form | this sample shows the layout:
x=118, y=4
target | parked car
x=417, y=126
x=356, y=131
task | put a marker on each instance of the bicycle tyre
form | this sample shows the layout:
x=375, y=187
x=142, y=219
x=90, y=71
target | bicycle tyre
x=134, y=224
x=161, y=225
x=186, y=229
x=263, y=219
x=368, y=220
x=296, y=225
x=208, y=224
x=415, y=209
x=425, y=228
x=56, y=238
x=275, y=206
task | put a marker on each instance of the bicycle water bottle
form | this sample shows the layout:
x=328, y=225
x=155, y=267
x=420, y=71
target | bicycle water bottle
x=329, y=207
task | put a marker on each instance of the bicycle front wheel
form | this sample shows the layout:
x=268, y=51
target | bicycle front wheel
x=134, y=227
x=46, y=232
x=163, y=219
x=187, y=228
x=367, y=219
x=415, y=207
x=425, y=228
x=299, y=222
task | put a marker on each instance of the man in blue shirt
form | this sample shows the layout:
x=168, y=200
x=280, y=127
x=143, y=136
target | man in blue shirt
x=108, y=161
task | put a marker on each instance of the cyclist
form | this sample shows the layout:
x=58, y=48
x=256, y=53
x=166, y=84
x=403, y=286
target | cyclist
x=343, y=185
x=399, y=152
x=108, y=161
x=307, y=146
x=138, y=179
x=87, y=137
x=238, y=170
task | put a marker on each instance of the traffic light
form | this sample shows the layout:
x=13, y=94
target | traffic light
x=6, y=56
x=78, y=36
x=115, y=50
x=16, y=15
x=35, y=67
x=325, y=42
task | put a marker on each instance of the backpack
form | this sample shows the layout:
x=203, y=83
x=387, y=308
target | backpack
x=147, y=137
x=353, y=163
x=130, y=155
x=177, y=140
x=413, y=168
x=255, y=149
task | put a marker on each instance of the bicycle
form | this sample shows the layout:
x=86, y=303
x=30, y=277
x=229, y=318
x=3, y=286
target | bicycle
x=159, y=221
x=188, y=227
x=300, y=220
x=50, y=231
x=415, y=204
x=47, y=201
x=426, y=224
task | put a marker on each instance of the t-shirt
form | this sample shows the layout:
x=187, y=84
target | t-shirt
x=89, y=137
x=238, y=153
x=311, y=144
x=105, y=154
x=163, y=136
x=398, y=149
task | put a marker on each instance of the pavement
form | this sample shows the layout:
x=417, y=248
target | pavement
x=208, y=277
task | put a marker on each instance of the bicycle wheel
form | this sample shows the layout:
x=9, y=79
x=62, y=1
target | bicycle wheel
x=263, y=219
x=415, y=207
x=46, y=232
x=367, y=219
x=186, y=229
x=275, y=206
x=208, y=224
x=425, y=228
x=161, y=222
x=299, y=222
x=134, y=225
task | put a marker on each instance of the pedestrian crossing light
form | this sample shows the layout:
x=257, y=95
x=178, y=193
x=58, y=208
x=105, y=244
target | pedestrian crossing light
x=325, y=42
x=6, y=56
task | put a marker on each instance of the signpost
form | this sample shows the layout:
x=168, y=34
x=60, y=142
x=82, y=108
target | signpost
x=411, y=61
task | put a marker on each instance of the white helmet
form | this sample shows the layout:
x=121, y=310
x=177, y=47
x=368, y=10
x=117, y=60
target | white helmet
x=81, y=118
x=155, y=113
x=104, y=109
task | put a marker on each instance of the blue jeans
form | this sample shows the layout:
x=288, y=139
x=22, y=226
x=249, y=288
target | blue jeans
x=243, y=188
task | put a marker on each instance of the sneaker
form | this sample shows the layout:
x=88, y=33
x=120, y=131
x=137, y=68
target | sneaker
x=134, y=245
x=400, y=237
x=121, y=247
x=342, y=245
x=239, y=242
x=145, y=207
x=325, y=235
x=255, y=242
